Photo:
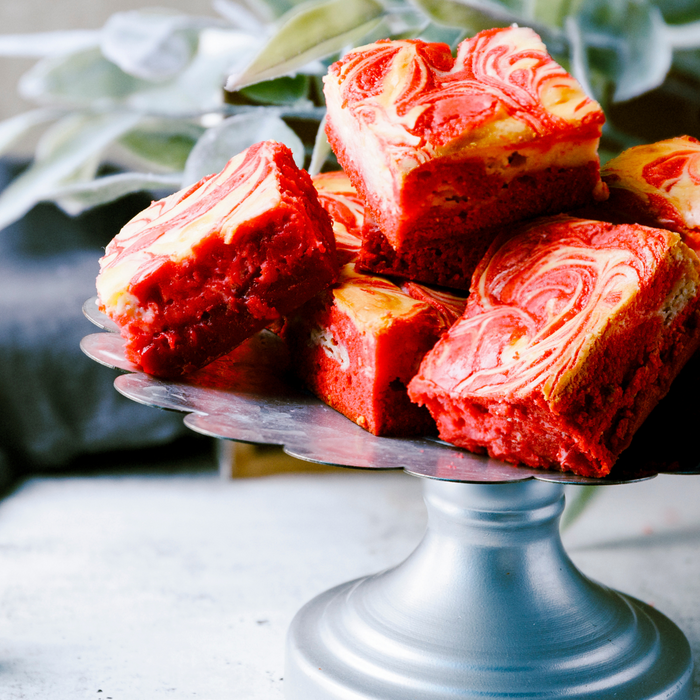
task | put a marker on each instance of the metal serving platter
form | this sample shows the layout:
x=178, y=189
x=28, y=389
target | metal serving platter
x=251, y=396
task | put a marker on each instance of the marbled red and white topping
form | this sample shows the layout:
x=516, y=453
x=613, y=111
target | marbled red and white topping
x=448, y=305
x=664, y=177
x=501, y=87
x=172, y=227
x=540, y=301
x=398, y=109
x=373, y=302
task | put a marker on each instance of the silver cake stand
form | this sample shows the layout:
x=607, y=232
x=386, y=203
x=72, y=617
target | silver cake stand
x=489, y=605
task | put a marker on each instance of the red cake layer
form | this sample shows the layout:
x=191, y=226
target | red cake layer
x=573, y=331
x=444, y=149
x=198, y=272
x=450, y=257
x=658, y=184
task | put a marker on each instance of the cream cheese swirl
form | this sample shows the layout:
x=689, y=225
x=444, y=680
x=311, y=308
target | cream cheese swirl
x=171, y=227
x=502, y=87
x=540, y=302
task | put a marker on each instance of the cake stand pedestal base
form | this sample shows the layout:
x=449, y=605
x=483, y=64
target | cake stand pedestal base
x=489, y=605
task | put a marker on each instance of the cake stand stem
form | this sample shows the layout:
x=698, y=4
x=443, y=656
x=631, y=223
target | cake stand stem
x=489, y=605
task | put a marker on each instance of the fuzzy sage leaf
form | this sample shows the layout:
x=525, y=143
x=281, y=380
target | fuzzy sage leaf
x=220, y=143
x=310, y=31
x=151, y=44
x=616, y=36
x=80, y=140
x=74, y=198
x=12, y=129
x=84, y=78
x=163, y=143
x=322, y=149
x=476, y=15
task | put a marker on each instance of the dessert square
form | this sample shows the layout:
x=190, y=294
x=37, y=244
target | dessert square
x=198, y=272
x=445, y=149
x=573, y=331
x=357, y=344
x=658, y=184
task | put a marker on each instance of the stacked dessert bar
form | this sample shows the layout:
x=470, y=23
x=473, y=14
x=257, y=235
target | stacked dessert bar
x=574, y=329
x=444, y=150
x=658, y=184
x=198, y=272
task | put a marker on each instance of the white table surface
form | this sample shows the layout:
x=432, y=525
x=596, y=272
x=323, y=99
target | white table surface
x=136, y=585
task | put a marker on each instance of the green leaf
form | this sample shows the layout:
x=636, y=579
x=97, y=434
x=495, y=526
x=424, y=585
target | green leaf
x=687, y=61
x=310, y=31
x=42, y=44
x=84, y=78
x=12, y=129
x=53, y=141
x=266, y=11
x=84, y=174
x=633, y=33
x=76, y=198
x=82, y=136
x=579, y=67
x=280, y=91
x=550, y=12
x=322, y=149
x=164, y=143
x=153, y=44
x=397, y=24
x=199, y=88
x=445, y=35
x=249, y=19
x=647, y=54
x=466, y=15
x=684, y=36
x=220, y=143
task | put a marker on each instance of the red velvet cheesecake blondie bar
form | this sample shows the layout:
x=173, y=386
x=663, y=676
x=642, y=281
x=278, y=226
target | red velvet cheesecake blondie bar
x=200, y=271
x=573, y=331
x=357, y=345
x=658, y=184
x=444, y=149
